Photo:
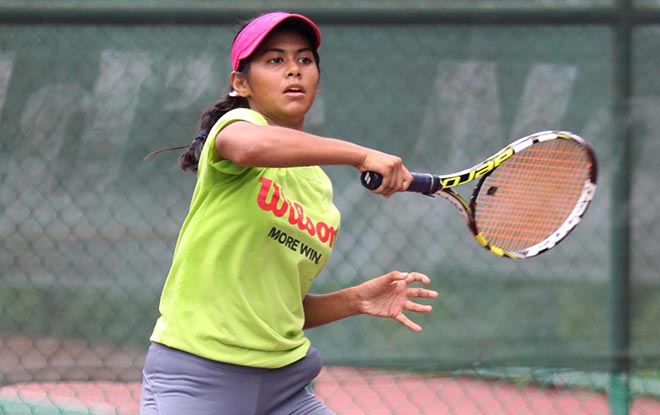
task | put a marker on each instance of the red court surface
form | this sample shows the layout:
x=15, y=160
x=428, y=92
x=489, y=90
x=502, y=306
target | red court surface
x=349, y=391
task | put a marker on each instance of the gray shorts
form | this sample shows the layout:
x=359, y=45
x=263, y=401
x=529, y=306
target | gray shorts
x=177, y=383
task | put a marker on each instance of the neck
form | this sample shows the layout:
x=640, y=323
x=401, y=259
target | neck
x=293, y=124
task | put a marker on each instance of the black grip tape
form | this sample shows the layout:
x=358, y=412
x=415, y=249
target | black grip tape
x=422, y=182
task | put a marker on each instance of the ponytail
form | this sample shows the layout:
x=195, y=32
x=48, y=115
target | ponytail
x=189, y=159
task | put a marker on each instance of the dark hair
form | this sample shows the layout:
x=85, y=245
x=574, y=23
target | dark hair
x=189, y=159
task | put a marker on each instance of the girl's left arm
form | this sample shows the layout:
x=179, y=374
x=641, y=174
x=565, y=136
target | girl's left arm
x=385, y=296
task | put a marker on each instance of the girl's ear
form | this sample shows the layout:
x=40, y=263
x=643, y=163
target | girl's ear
x=239, y=84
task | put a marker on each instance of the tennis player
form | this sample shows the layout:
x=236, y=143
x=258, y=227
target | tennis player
x=261, y=226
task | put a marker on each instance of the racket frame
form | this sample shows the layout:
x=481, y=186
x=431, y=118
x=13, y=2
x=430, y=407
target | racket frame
x=481, y=171
x=441, y=185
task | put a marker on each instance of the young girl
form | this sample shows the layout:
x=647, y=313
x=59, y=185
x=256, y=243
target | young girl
x=261, y=227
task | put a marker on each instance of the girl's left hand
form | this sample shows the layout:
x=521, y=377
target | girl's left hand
x=389, y=294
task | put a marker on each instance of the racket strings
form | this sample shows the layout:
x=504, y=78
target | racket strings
x=527, y=198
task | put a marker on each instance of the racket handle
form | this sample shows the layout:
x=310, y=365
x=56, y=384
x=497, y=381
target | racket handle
x=422, y=182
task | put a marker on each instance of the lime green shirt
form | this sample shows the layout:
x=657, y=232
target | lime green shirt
x=251, y=245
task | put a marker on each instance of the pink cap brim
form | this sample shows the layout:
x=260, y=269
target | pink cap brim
x=249, y=39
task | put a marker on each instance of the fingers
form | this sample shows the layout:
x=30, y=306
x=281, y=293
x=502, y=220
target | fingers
x=398, y=181
x=395, y=176
x=418, y=308
x=401, y=318
x=414, y=292
x=411, y=277
x=417, y=292
x=422, y=293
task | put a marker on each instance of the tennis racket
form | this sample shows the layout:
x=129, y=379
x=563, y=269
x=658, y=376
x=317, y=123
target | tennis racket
x=528, y=196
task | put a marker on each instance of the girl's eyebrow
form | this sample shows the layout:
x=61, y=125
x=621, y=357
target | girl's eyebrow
x=279, y=50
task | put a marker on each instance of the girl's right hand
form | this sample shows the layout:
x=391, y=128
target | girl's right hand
x=396, y=177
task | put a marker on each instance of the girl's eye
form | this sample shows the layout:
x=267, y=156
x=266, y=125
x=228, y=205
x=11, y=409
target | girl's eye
x=303, y=60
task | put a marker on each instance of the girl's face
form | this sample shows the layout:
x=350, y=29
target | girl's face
x=282, y=79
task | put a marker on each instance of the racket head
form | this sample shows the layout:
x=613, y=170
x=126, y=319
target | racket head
x=536, y=197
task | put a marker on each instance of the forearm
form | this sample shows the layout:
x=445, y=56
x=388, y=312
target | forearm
x=322, y=309
x=271, y=146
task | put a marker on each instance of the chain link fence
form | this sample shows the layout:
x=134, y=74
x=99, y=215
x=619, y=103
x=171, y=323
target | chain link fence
x=87, y=228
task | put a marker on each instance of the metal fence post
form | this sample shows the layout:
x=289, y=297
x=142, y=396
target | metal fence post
x=619, y=397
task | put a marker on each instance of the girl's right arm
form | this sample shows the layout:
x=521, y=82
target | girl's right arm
x=252, y=145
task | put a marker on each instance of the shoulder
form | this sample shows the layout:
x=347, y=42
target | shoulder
x=240, y=114
x=210, y=151
x=237, y=114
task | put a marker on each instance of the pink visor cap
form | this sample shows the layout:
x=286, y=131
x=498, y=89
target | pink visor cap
x=249, y=39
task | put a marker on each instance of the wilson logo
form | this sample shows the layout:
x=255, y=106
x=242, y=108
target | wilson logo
x=281, y=206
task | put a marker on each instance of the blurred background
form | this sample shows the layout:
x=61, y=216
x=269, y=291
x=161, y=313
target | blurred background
x=87, y=228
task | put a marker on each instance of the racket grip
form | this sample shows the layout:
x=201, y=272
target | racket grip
x=371, y=180
x=422, y=182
